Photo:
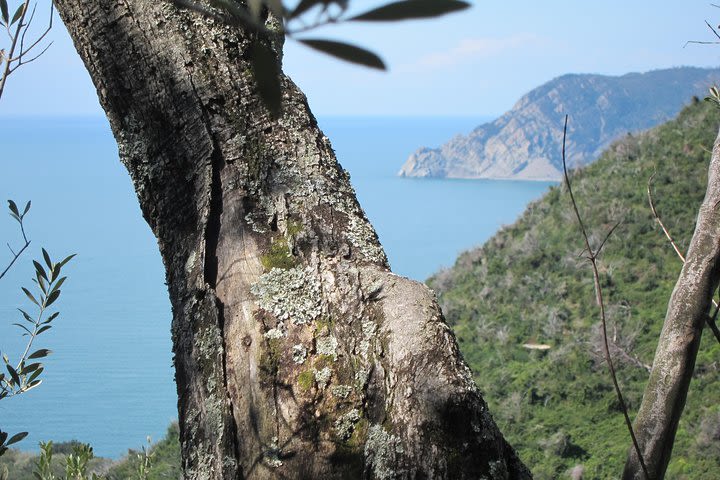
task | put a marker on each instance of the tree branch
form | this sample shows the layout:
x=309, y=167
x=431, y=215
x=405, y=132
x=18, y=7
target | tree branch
x=592, y=257
x=710, y=320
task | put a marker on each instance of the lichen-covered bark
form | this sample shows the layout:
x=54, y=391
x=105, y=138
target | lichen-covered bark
x=688, y=309
x=298, y=353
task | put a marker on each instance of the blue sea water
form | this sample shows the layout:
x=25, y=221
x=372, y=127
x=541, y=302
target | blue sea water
x=110, y=379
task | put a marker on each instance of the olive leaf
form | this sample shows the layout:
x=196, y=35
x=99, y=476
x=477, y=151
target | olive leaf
x=345, y=51
x=410, y=9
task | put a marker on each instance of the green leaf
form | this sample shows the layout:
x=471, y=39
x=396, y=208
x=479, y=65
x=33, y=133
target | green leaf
x=58, y=285
x=18, y=436
x=50, y=318
x=40, y=270
x=23, y=327
x=266, y=70
x=30, y=296
x=66, y=260
x=46, y=257
x=13, y=374
x=16, y=17
x=35, y=374
x=3, y=435
x=26, y=315
x=32, y=385
x=5, y=14
x=347, y=52
x=11, y=204
x=40, y=282
x=30, y=368
x=52, y=297
x=410, y=9
x=43, y=329
x=43, y=352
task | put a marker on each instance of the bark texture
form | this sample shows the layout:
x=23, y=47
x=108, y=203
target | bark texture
x=666, y=391
x=298, y=354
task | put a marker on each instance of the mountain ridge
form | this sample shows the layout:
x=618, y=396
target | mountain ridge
x=524, y=142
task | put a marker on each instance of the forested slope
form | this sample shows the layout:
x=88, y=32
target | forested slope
x=529, y=287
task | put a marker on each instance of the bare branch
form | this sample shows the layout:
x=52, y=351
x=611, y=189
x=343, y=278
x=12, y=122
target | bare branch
x=592, y=257
x=710, y=320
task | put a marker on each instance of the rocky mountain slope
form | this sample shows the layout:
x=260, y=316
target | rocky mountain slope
x=523, y=309
x=524, y=143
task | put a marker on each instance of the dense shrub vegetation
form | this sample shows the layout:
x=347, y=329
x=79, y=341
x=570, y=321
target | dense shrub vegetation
x=529, y=286
x=164, y=461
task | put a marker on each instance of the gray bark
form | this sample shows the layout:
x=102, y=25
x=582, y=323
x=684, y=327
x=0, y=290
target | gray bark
x=298, y=354
x=687, y=313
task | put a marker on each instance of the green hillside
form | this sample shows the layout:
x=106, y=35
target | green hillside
x=530, y=285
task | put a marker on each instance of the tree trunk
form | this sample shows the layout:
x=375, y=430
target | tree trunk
x=667, y=387
x=298, y=354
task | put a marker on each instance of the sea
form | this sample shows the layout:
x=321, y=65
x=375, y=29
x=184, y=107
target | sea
x=109, y=381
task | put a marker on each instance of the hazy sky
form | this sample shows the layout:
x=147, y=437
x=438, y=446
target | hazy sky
x=477, y=62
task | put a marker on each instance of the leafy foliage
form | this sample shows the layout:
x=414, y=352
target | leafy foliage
x=160, y=461
x=20, y=48
x=23, y=375
x=530, y=286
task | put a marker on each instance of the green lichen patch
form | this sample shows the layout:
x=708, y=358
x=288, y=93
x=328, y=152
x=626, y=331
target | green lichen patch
x=322, y=361
x=294, y=228
x=278, y=256
x=324, y=325
x=306, y=380
x=269, y=363
x=292, y=294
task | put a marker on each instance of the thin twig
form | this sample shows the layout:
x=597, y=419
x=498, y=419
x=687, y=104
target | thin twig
x=706, y=42
x=710, y=320
x=592, y=257
x=660, y=222
x=15, y=257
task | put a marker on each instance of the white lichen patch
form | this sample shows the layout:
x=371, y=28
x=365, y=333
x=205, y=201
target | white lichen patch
x=362, y=236
x=299, y=354
x=345, y=425
x=327, y=346
x=341, y=391
x=292, y=294
x=381, y=452
x=322, y=377
x=275, y=333
x=361, y=377
x=369, y=330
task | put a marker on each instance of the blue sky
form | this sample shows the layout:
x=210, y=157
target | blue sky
x=478, y=62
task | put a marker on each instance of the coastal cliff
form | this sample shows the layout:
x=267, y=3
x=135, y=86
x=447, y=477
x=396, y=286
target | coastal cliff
x=524, y=143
